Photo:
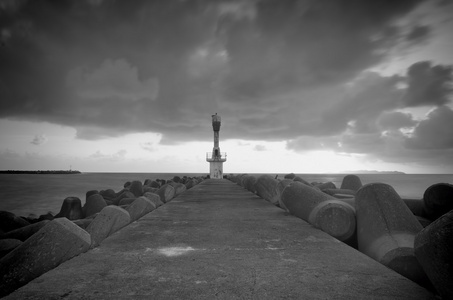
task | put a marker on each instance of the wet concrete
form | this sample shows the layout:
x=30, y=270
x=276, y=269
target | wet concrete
x=219, y=241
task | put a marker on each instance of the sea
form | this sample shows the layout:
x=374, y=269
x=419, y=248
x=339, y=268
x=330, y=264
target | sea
x=25, y=194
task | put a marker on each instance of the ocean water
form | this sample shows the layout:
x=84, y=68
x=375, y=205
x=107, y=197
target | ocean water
x=24, y=194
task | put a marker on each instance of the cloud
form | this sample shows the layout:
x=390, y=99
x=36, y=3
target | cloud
x=109, y=68
x=39, y=139
x=428, y=85
x=418, y=33
x=113, y=79
x=114, y=157
x=362, y=103
x=259, y=148
x=436, y=132
x=238, y=9
x=149, y=146
x=395, y=120
x=95, y=2
x=294, y=71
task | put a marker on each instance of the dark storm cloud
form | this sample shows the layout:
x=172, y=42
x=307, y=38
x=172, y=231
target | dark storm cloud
x=428, y=85
x=363, y=102
x=436, y=132
x=273, y=69
x=419, y=33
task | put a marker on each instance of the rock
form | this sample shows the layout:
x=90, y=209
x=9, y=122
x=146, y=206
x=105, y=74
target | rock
x=83, y=223
x=140, y=207
x=91, y=192
x=179, y=188
x=122, y=191
x=147, y=181
x=237, y=179
x=25, y=232
x=9, y=221
x=300, y=179
x=108, y=221
x=249, y=183
x=7, y=245
x=136, y=188
x=346, y=199
x=91, y=217
x=300, y=199
x=326, y=185
x=423, y=221
x=49, y=216
x=241, y=179
x=126, y=201
x=386, y=230
x=166, y=193
x=108, y=194
x=161, y=182
x=176, y=179
x=433, y=249
x=32, y=218
x=282, y=184
x=438, y=199
x=416, y=206
x=266, y=188
x=154, y=184
x=127, y=184
x=351, y=182
x=52, y=245
x=95, y=203
x=323, y=211
x=71, y=208
x=124, y=194
x=155, y=198
x=147, y=189
x=233, y=178
x=190, y=184
x=332, y=192
x=290, y=176
x=343, y=196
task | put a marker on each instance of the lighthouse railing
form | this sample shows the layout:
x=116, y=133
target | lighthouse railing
x=211, y=156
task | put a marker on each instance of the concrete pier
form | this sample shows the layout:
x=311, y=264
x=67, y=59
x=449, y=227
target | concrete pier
x=219, y=241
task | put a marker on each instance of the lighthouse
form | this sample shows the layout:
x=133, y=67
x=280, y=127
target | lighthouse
x=216, y=158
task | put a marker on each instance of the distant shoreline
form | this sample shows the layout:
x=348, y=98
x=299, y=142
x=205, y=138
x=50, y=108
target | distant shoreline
x=40, y=172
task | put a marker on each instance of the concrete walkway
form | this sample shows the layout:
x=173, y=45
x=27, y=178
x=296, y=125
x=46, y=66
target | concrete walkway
x=219, y=241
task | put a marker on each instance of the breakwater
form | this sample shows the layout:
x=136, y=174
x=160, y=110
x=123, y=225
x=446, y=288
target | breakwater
x=44, y=172
x=219, y=241
x=31, y=246
x=410, y=236
x=341, y=212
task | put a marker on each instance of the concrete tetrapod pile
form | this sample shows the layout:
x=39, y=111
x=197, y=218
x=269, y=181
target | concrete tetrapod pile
x=375, y=220
x=323, y=211
x=433, y=249
x=387, y=230
x=32, y=247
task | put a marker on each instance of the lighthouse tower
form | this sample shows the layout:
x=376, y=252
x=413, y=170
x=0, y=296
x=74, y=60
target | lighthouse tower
x=216, y=158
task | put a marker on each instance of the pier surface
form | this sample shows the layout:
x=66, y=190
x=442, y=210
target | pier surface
x=219, y=241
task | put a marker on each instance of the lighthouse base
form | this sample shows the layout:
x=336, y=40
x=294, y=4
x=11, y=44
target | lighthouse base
x=216, y=169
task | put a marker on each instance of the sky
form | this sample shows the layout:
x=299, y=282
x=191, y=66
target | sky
x=303, y=86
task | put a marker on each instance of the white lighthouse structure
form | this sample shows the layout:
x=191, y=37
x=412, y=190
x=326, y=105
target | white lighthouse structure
x=216, y=158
